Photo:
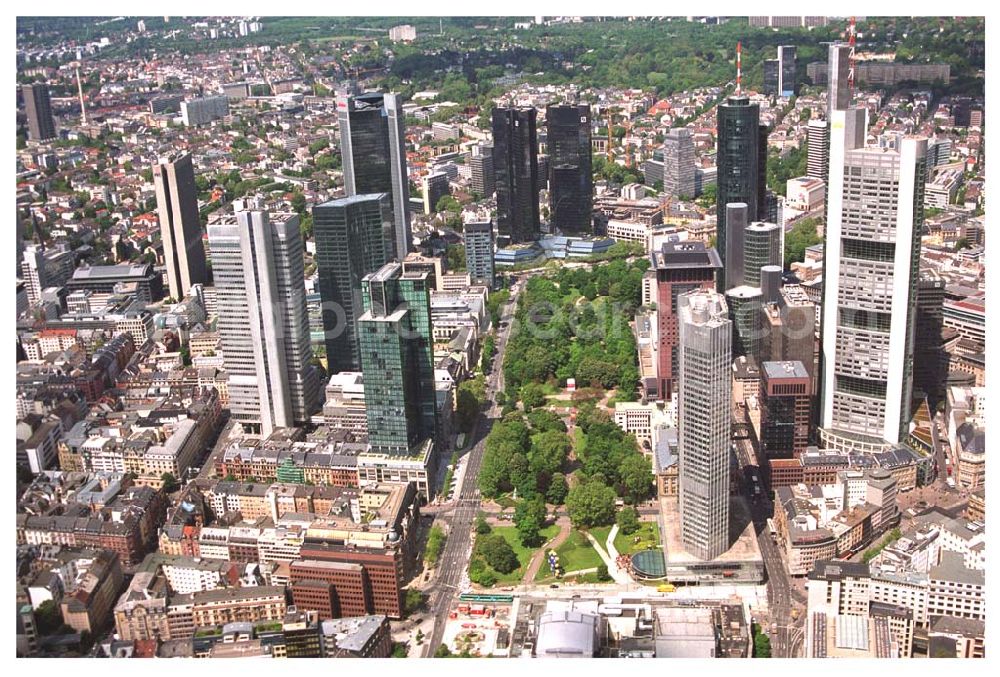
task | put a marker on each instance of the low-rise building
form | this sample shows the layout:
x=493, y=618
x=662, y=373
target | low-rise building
x=90, y=597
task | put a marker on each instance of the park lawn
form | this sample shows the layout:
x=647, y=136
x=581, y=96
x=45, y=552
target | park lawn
x=579, y=441
x=649, y=537
x=600, y=535
x=559, y=404
x=504, y=501
x=575, y=554
x=523, y=554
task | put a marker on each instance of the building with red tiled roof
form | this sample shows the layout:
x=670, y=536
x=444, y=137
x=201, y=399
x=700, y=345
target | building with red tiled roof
x=145, y=648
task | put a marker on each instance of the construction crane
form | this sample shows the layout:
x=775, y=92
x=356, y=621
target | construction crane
x=263, y=73
x=627, y=123
x=610, y=122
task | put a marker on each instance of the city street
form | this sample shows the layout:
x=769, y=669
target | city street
x=785, y=632
x=450, y=577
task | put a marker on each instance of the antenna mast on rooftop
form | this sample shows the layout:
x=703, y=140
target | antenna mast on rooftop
x=850, y=67
x=739, y=68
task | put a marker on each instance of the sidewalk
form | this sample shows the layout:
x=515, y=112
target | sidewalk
x=539, y=557
x=617, y=574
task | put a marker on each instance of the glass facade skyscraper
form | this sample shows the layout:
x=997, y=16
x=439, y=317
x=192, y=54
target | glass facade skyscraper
x=354, y=237
x=38, y=108
x=180, y=224
x=515, y=168
x=397, y=359
x=771, y=77
x=761, y=247
x=373, y=148
x=571, y=185
x=742, y=160
x=786, y=70
x=838, y=68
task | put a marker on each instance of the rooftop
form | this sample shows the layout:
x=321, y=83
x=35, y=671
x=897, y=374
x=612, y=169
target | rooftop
x=792, y=369
x=352, y=200
x=352, y=634
x=121, y=270
x=685, y=255
x=952, y=568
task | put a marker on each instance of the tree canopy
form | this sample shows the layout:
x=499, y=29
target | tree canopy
x=591, y=504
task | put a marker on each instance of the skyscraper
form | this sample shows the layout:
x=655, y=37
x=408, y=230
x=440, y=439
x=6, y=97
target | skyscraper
x=354, y=237
x=479, y=251
x=397, y=359
x=263, y=323
x=482, y=179
x=38, y=108
x=785, y=409
x=652, y=169
x=930, y=358
x=818, y=145
x=761, y=247
x=741, y=162
x=789, y=329
x=515, y=165
x=201, y=111
x=434, y=187
x=571, y=185
x=373, y=148
x=771, y=77
x=767, y=202
x=838, y=67
x=680, y=267
x=705, y=421
x=180, y=224
x=737, y=220
x=871, y=257
x=745, y=304
x=42, y=268
x=786, y=70
x=678, y=164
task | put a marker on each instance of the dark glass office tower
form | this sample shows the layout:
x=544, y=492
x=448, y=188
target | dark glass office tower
x=771, y=67
x=354, y=237
x=742, y=160
x=571, y=185
x=838, y=69
x=515, y=167
x=764, y=209
x=180, y=224
x=41, y=126
x=373, y=148
x=397, y=359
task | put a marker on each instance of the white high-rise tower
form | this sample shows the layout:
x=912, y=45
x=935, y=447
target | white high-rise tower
x=874, y=217
x=705, y=421
x=263, y=323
